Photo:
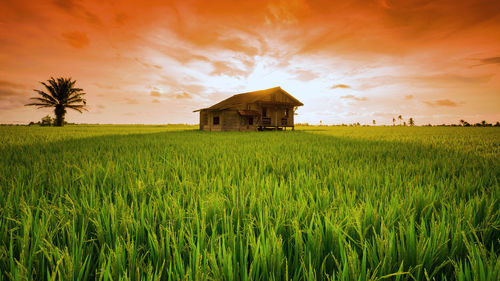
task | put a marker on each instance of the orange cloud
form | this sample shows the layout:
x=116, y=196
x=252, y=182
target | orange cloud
x=352, y=97
x=341, y=86
x=445, y=102
x=183, y=96
x=203, y=51
x=76, y=39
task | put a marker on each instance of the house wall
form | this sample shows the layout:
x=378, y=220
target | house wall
x=203, y=120
x=276, y=113
x=231, y=120
x=207, y=120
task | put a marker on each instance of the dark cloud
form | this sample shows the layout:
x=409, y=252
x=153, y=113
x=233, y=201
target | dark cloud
x=11, y=85
x=352, y=97
x=7, y=92
x=341, y=86
x=76, y=10
x=120, y=18
x=445, y=102
x=76, y=39
x=491, y=60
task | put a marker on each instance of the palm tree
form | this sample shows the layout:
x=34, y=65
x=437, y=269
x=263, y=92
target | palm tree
x=61, y=94
x=374, y=122
x=400, y=119
x=411, y=122
x=462, y=122
x=393, y=121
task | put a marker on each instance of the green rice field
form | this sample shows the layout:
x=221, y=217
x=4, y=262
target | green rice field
x=318, y=203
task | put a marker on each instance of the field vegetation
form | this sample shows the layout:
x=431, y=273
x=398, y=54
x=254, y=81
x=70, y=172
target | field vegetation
x=318, y=203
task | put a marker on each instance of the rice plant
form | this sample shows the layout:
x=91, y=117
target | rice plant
x=319, y=203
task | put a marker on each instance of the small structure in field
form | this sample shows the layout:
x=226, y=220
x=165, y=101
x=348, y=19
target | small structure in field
x=272, y=108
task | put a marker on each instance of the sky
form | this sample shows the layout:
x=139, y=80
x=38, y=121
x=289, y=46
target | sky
x=155, y=61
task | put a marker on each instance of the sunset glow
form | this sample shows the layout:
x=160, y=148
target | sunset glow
x=154, y=62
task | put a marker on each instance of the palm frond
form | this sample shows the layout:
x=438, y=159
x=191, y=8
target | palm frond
x=78, y=108
x=45, y=101
x=40, y=105
x=45, y=95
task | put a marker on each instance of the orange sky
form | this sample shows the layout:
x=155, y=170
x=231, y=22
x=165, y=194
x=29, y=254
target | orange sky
x=154, y=61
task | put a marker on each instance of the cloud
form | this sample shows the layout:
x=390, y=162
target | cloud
x=76, y=10
x=409, y=97
x=155, y=94
x=341, y=86
x=491, y=60
x=148, y=64
x=354, y=98
x=8, y=88
x=221, y=67
x=183, y=96
x=6, y=92
x=120, y=18
x=445, y=102
x=155, y=101
x=131, y=101
x=76, y=39
x=305, y=75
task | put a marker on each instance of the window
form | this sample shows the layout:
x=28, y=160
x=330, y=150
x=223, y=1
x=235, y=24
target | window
x=250, y=120
x=264, y=112
x=216, y=120
x=286, y=112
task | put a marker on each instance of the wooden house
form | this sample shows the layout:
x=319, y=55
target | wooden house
x=272, y=108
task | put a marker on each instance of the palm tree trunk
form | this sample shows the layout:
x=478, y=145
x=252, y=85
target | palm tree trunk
x=60, y=111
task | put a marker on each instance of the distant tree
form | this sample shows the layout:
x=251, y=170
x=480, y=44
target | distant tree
x=462, y=122
x=404, y=123
x=393, y=121
x=485, y=124
x=61, y=94
x=374, y=123
x=411, y=122
x=46, y=121
x=497, y=124
x=400, y=119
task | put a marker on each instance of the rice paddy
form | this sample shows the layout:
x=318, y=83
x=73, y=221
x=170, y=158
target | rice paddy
x=318, y=203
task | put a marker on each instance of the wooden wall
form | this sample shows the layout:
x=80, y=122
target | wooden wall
x=231, y=120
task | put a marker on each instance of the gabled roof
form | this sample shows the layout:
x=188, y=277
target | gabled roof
x=267, y=95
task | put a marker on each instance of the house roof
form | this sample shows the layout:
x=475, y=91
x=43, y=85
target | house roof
x=270, y=95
